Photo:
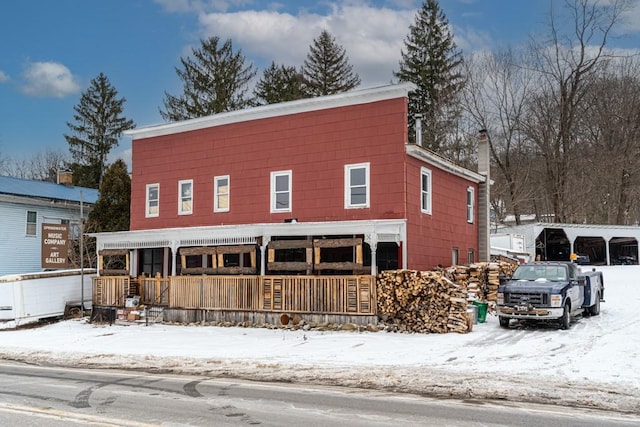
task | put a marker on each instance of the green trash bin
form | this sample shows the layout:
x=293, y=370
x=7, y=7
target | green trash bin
x=482, y=310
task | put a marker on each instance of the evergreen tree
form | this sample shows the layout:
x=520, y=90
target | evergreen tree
x=279, y=84
x=326, y=70
x=215, y=80
x=98, y=125
x=432, y=62
x=112, y=209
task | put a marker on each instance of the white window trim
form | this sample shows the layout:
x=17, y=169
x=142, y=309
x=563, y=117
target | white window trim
x=347, y=186
x=216, y=207
x=471, y=207
x=180, y=211
x=428, y=209
x=26, y=226
x=148, y=214
x=288, y=174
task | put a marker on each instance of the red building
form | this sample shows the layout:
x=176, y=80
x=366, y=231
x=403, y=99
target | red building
x=335, y=168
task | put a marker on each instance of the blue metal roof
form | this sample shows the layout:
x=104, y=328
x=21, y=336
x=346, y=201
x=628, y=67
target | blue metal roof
x=46, y=190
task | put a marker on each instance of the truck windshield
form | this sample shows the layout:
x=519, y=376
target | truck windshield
x=540, y=272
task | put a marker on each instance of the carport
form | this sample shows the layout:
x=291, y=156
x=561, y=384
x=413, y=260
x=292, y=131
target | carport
x=593, y=247
x=604, y=244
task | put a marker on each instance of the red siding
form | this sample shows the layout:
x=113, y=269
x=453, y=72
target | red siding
x=430, y=238
x=315, y=146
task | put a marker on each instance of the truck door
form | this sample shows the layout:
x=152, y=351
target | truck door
x=576, y=291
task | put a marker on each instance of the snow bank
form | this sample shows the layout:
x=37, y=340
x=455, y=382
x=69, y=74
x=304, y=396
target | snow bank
x=594, y=364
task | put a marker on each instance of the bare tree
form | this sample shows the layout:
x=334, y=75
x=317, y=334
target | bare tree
x=44, y=166
x=41, y=166
x=495, y=99
x=567, y=66
x=612, y=128
x=4, y=163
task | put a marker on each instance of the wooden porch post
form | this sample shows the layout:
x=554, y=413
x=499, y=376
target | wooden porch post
x=263, y=258
x=174, y=251
x=372, y=240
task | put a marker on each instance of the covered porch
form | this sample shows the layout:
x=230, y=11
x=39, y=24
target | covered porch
x=260, y=272
x=319, y=248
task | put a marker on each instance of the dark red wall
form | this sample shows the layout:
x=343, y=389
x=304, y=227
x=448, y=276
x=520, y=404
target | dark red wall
x=430, y=238
x=315, y=146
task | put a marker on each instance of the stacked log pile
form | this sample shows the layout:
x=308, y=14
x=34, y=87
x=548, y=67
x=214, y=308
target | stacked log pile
x=436, y=301
x=481, y=279
x=422, y=301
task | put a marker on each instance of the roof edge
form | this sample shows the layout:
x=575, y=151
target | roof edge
x=355, y=97
x=425, y=155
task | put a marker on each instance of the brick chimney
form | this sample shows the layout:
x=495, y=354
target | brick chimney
x=65, y=178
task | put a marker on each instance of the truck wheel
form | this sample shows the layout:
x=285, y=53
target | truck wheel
x=565, y=320
x=594, y=310
x=504, y=321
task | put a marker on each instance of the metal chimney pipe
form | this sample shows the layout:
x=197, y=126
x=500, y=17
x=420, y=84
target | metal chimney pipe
x=484, y=245
x=418, y=126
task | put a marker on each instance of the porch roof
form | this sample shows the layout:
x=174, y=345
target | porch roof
x=382, y=230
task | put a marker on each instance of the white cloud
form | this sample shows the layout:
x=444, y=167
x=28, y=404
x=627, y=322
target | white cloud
x=631, y=19
x=49, y=79
x=372, y=37
x=3, y=77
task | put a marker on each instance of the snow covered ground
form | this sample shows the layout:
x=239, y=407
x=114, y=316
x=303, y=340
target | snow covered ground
x=594, y=364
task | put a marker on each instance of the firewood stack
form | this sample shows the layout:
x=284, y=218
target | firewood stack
x=436, y=301
x=422, y=301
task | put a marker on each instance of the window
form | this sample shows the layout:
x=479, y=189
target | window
x=74, y=228
x=151, y=261
x=32, y=223
x=153, y=200
x=471, y=256
x=470, y=203
x=356, y=186
x=454, y=256
x=425, y=191
x=185, y=197
x=281, y=191
x=221, y=194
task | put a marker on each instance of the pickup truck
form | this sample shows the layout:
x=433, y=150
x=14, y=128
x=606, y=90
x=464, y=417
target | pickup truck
x=550, y=292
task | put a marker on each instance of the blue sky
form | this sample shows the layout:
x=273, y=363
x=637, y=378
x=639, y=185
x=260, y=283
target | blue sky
x=50, y=50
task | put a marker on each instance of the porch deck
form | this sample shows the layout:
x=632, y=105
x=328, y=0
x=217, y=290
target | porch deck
x=267, y=295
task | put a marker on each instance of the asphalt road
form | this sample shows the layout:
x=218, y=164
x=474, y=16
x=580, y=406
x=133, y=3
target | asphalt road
x=50, y=396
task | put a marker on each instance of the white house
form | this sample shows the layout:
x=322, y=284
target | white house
x=24, y=206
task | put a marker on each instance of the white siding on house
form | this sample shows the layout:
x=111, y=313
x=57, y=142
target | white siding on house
x=20, y=253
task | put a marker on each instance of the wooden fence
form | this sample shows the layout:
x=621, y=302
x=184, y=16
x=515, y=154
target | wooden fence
x=354, y=295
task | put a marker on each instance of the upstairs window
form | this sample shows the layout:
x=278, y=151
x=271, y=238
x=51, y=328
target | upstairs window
x=32, y=223
x=281, y=191
x=470, y=204
x=221, y=194
x=185, y=197
x=153, y=200
x=425, y=191
x=356, y=186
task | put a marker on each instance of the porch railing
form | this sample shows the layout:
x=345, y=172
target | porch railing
x=291, y=294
